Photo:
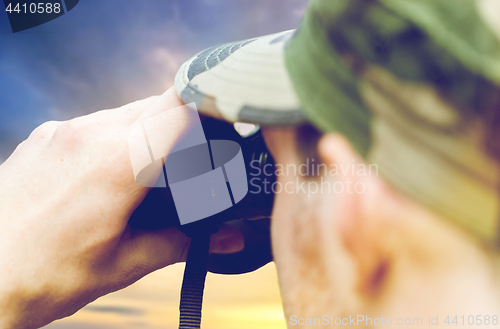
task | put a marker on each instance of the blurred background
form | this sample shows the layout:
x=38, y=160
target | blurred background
x=104, y=54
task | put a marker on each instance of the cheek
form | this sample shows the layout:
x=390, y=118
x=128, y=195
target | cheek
x=298, y=250
x=300, y=245
x=316, y=273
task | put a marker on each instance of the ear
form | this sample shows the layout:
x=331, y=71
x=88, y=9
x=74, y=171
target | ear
x=358, y=213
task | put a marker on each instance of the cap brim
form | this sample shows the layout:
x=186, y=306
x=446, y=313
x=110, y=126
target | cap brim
x=244, y=81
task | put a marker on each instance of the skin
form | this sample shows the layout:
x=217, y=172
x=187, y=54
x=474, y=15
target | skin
x=375, y=253
x=66, y=196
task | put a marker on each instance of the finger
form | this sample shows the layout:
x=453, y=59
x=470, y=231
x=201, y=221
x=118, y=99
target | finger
x=156, y=133
x=168, y=100
x=124, y=115
x=127, y=114
x=131, y=112
x=42, y=134
x=107, y=123
x=227, y=240
x=147, y=251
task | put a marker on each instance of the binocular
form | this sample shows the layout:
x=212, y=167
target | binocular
x=250, y=215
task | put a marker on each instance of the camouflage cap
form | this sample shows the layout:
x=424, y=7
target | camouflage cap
x=413, y=84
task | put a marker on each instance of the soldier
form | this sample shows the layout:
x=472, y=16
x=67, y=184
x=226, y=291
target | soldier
x=409, y=86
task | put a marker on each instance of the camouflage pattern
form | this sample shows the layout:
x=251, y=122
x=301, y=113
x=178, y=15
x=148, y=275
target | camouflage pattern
x=415, y=86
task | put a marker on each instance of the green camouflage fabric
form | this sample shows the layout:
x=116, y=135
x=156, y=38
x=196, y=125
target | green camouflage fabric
x=415, y=86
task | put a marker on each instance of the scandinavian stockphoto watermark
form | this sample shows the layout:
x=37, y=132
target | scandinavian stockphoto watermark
x=344, y=178
x=356, y=320
x=168, y=148
x=365, y=320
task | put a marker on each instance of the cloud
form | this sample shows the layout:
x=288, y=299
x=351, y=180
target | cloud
x=119, y=310
x=82, y=325
x=107, y=53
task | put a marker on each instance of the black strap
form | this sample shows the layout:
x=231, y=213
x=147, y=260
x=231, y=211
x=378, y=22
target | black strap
x=193, y=283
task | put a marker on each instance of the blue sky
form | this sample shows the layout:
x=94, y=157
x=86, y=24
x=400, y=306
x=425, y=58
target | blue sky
x=107, y=53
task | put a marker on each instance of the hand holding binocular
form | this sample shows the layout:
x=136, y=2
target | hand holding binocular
x=234, y=169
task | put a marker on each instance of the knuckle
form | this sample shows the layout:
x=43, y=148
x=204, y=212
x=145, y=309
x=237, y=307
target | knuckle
x=73, y=130
x=20, y=147
x=45, y=129
x=75, y=125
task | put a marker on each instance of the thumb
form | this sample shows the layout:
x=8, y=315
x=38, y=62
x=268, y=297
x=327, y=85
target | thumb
x=156, y=133
x=147, y=251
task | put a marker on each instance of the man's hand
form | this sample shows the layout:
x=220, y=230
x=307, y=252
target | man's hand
x=66, y=196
